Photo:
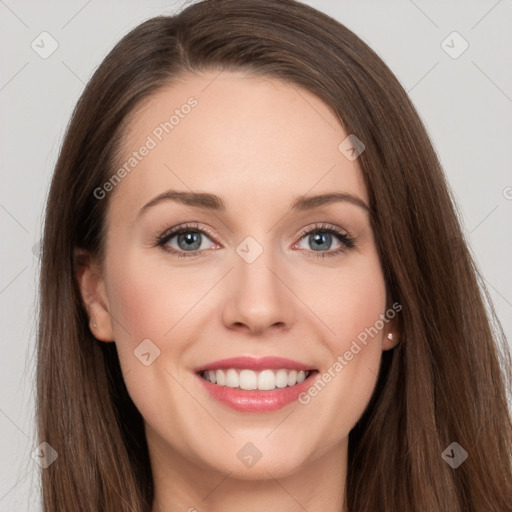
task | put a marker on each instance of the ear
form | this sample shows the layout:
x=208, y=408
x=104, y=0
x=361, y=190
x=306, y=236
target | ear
x=94, y=296
x=391, y=334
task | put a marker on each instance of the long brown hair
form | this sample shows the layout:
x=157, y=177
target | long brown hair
x=448, y=379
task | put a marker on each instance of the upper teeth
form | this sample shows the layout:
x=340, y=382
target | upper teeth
x=249, y=379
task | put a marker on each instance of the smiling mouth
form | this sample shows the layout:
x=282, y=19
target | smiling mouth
x=265, y=380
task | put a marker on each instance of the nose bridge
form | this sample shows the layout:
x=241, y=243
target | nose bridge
x=257, y=296
x=255, y=268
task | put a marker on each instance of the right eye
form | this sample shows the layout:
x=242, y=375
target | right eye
x=188, y=239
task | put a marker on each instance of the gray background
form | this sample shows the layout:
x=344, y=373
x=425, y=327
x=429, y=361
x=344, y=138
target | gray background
x=465, y=102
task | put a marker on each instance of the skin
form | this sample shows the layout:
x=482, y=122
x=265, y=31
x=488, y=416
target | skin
x=259, y=144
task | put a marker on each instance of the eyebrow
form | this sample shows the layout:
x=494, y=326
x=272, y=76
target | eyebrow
x=213, y=202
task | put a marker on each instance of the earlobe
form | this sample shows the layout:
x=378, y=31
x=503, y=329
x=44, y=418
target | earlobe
x=391, y=336
x=94, y=298
x=389, y=341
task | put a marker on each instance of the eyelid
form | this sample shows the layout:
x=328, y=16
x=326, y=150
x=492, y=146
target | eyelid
x=323, y=226
x=192, y=226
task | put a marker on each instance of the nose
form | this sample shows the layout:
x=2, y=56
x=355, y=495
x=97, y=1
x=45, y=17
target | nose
x=259, y=298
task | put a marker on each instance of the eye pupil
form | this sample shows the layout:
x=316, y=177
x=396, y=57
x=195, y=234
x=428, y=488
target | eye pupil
x=320, y=238
x=192, y=240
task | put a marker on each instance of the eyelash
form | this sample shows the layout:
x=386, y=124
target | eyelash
x=347, y=241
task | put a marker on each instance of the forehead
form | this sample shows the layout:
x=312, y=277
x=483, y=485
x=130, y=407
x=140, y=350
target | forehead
x=239, y=136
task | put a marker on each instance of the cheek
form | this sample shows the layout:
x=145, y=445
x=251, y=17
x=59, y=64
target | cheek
x=148, y=307
x=354, y=310
x=362, y=301
x=150, y=300
x=348, y=300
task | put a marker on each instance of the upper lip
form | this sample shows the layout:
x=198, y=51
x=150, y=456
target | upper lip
x=254, y=363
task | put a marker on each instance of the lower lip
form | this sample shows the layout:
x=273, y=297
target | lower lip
x=257, y=400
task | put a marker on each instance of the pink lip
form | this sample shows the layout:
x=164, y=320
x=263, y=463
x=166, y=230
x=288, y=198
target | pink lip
x=254, y=363
x=256, y=400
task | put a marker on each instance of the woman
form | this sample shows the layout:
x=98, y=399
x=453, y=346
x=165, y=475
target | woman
x=258, y=370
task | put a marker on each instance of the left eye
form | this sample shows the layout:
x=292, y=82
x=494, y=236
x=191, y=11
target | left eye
x=318, y=240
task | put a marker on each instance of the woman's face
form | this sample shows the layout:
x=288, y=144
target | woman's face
x=252, y=275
